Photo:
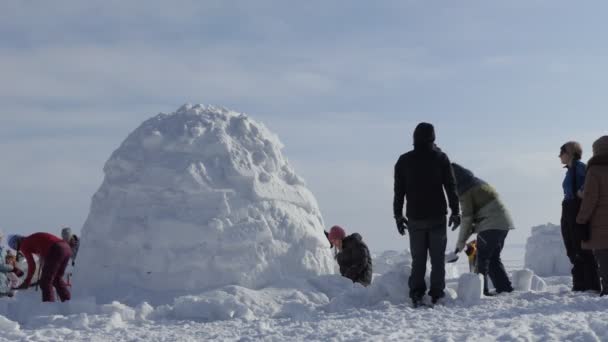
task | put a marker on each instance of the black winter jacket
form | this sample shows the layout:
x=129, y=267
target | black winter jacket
x=354, y=260
x=421, y=176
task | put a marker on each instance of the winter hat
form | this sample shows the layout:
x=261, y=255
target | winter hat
x=66, y=233
x=14, y=240
x=336, y=233
x=424, y=133
x=600, y=146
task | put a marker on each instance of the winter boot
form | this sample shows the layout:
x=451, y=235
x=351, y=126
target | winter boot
x=417, y=302
x=435, y=299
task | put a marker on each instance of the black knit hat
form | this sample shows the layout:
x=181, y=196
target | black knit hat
x=424, y=133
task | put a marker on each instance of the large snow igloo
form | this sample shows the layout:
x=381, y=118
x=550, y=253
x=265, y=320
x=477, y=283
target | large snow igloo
x=199, y=199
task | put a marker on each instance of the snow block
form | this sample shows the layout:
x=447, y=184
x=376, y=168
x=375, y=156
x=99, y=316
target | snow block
x=522, y=280
x=538, y=284
x=470, y=288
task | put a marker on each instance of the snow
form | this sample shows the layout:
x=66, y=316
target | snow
x=196, y=200
x=545, y=252
x=470, y=288
x=555, y=314
x=538, y=284
x=522, y=280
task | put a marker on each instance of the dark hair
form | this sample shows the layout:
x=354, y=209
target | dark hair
x=573, y=148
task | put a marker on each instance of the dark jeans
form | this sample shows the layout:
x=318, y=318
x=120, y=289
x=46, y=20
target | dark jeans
x=489, y=246
x=55, y=262
x=584, y=267
x=601, y=255
x=427, y=237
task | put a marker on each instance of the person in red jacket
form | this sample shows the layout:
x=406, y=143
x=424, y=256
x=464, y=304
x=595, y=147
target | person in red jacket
x=54, y=254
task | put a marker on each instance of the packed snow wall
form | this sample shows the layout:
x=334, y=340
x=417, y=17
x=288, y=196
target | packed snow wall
x=195, y=200
x=545, y=252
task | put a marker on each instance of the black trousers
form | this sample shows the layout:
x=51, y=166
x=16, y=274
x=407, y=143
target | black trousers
x=601, y=255
x=584, y=267
x=489, y=264
x=428, y=237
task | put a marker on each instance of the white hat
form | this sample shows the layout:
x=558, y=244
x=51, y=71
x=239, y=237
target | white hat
x=66, y=233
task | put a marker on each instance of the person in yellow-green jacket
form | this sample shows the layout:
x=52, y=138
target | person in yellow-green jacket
x=483, y=213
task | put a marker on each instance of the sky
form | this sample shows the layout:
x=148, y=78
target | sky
x=343, y=84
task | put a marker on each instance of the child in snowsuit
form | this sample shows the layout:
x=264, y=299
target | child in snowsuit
x=54, y=255
x=353, y=256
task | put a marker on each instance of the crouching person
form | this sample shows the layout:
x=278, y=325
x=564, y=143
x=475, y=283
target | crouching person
x=54, y=255
x=353, y=255
x=483, y=213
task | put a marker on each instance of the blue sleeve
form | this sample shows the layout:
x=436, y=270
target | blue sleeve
x=581, y=171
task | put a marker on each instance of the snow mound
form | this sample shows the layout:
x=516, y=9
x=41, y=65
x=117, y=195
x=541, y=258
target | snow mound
x=391, y=287
x=545, y=252
x=195, y=200
x=6, y=325
x=232, y=302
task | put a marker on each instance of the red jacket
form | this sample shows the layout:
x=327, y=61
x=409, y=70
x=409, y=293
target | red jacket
x=37, y=243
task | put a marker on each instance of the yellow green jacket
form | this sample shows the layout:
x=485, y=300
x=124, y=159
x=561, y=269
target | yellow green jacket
x=482, y=210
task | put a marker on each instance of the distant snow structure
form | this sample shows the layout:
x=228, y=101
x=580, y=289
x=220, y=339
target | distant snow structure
x=387, y=260
x=196, y=200
x=545, y=252
x=393, y=260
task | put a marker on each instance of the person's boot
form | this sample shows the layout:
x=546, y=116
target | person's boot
x=489, y=294
x=435, y=299
x=417, y=302
x=507, y=290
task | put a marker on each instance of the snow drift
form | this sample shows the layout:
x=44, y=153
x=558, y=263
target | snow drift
x=545, y=252
x=196, y=200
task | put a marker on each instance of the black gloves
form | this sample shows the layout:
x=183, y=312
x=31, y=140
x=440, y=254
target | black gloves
x=401, y=224
x=454, y=222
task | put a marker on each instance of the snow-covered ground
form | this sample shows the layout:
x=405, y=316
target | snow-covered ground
x=555, y=314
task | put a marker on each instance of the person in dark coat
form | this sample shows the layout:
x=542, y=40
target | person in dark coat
x=584, y=267
x=353, y=256
x=594, y=208
x=421, y=177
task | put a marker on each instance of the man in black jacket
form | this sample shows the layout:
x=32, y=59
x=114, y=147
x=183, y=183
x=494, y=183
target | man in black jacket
x=353, y=257
x=421, y=176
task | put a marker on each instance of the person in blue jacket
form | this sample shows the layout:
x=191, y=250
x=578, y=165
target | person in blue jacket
x=584, y=267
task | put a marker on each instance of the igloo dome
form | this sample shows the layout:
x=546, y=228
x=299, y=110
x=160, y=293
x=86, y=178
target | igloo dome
x=198, y=199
